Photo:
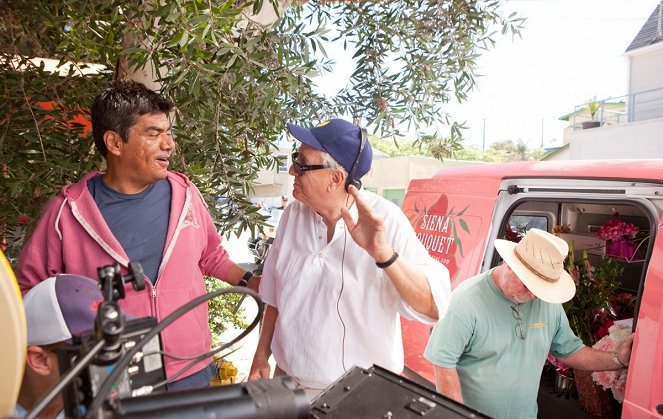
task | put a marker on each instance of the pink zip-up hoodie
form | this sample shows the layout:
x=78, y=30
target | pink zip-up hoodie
x=72, y=237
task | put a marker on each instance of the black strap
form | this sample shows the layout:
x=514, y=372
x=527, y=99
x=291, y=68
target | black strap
x=388, y=262
x=245, y=279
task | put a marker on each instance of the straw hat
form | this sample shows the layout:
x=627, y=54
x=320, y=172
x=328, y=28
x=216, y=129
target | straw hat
x=538, y=261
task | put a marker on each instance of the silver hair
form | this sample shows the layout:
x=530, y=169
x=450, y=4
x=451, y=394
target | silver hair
x=329, y=161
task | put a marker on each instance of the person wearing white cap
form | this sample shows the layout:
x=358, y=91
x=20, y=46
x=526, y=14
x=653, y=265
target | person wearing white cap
x=490, y=349
x=56, y=309
x=344, y=266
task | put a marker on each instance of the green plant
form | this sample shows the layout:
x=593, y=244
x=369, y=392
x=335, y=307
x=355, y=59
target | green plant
x=593, y=107
x=595, y=284
x=223, y=310
x=236, y=83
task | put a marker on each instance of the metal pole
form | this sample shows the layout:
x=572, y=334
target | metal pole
x=484, y=134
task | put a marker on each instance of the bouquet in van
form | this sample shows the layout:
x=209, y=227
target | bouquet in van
x=595, y=283
x=615, y=228
x=618, y=236
x=614, y=380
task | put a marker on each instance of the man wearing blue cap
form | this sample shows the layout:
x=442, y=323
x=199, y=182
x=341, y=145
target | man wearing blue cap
x=335, y=289
x=56, y=309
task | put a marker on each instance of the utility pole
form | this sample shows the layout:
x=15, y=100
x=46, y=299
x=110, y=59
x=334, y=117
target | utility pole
x=484, y=135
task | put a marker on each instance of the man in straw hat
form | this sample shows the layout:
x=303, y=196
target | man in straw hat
x=489, y=350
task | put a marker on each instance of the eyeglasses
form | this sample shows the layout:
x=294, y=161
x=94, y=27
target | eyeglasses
x=300, y=169
x=520, y=326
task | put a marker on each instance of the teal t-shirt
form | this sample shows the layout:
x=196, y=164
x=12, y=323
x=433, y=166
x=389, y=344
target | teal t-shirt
x=499, y=371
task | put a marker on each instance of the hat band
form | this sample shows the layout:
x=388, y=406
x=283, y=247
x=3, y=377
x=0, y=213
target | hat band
x=534, y=271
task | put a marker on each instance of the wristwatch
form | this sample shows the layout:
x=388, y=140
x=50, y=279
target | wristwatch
x=388, y=262
x=245, y=279
x=616, y=360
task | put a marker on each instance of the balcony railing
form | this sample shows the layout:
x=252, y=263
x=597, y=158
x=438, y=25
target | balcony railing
x=638, y=106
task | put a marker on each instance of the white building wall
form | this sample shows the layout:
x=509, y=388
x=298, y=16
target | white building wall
x=396, y=172
x=638, y=140
x=646, y=68
x=645, y=99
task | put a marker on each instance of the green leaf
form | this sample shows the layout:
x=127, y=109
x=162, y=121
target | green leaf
x=463, y=225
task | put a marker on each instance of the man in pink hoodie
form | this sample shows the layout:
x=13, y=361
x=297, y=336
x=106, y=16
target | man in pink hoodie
x=138, y=211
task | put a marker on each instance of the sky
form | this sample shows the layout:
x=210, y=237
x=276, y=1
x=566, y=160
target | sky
x=569, y=51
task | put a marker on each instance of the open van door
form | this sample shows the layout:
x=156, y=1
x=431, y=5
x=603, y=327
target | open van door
x=644, y=385
x=584, y=204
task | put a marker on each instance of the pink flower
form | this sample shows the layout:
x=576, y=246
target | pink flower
x=614, y=380
x=615, y=229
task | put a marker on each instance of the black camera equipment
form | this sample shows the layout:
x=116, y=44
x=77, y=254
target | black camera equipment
x=142, y=375
x=118, y=335
x=111, y=367
x=268, y=399
x=103, y=347
x=378, y=393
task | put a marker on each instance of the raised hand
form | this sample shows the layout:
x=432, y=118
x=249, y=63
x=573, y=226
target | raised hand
x=368, y=230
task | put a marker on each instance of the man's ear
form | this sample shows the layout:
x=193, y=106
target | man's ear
x=113, y=142
x=337, y=180
x=40, y=360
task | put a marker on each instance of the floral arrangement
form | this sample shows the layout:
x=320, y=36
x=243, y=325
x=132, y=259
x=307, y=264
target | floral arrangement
x=616, y=229
x=594, y=286
x=614, y=380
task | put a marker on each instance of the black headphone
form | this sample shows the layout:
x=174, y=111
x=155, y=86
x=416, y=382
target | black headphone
x=350, y=180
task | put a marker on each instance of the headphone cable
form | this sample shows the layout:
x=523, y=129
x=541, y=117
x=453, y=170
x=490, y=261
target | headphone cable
x=340, y=293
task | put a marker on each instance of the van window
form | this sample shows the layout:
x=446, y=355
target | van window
x=579, y=224
x=522, y=223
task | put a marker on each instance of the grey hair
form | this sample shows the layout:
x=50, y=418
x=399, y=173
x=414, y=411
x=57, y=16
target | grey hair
x=329, y=161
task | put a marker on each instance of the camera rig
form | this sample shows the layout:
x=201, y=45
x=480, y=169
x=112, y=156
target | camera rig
x=112, y=371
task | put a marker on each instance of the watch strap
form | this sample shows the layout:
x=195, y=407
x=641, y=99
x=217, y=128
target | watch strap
x=616, y=360
x=388, y=262
x=245, y=279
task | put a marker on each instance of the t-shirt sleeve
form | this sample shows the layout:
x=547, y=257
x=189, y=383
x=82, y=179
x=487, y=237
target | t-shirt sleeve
x=449, y=339
x=565, y=343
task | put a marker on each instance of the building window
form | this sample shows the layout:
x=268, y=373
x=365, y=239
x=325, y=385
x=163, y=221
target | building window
x=283, y=165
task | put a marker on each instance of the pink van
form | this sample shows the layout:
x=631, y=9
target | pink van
x=459, y=212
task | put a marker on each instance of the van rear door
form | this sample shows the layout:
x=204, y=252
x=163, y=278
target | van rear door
x=575, y=199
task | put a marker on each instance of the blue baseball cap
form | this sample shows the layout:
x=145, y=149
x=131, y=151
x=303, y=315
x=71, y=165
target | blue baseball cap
x=341, y=139
x=60, y=307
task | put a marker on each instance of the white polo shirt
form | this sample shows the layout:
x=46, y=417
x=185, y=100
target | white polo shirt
x=336, y=308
